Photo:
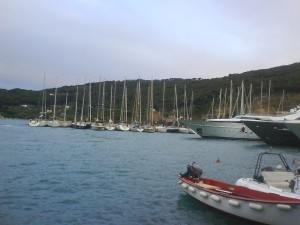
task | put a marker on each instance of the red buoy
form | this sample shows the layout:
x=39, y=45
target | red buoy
x=218, y=160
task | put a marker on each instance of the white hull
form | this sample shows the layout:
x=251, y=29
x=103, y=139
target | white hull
x=110, y=128
x=172, y=129
x=161, y=129
x=66, y=123
x=122, y=127
x=54, y=123
x=136, y=129
x=38, y=123
x=268, y=212
x=185, y=130
x=254, y=185
x=221, y=129
x=98, y=126
x=149, y=129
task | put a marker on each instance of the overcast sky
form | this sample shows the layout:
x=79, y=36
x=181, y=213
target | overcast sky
x=82, y=40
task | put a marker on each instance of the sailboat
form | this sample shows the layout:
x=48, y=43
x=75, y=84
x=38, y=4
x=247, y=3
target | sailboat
x=229, y=128
x=66, y=123
x=99, y=124
x=41, y=121
x=110, y=125
x=174, y=128
x=148, y=127
x=161, y=127
x=123, y=126
x=54, y=122
x=136, y=115
x=82, y=124
x=182, y=128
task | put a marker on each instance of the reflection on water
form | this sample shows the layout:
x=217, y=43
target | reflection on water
x=68, y=176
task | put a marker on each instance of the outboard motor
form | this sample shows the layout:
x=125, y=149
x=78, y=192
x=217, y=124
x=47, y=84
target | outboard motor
x=295, y=183
x=193, y=171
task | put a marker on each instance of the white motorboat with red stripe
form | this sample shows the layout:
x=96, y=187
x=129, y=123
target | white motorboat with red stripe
x=254, y=200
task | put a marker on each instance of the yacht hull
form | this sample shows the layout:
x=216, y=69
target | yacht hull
x=218, y=129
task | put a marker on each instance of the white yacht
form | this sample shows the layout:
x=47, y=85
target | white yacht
x=232, y=128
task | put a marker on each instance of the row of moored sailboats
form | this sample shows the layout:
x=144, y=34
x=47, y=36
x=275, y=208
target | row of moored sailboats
x=99, y=124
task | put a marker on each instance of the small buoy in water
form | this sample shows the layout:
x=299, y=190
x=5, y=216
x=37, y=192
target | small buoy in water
x=218, y=160
x=294, y=162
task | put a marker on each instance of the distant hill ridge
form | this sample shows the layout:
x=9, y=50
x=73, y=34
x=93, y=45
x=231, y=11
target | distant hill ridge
x=26, y=104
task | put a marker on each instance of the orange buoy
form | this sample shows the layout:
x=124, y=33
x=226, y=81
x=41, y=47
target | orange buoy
x=218, y=160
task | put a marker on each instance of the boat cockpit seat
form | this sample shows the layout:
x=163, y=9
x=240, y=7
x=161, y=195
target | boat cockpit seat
x=277, y=179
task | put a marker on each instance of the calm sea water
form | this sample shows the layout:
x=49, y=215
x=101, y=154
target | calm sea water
x=68, y=176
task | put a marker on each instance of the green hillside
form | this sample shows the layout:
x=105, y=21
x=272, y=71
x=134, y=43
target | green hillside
x=26, y=104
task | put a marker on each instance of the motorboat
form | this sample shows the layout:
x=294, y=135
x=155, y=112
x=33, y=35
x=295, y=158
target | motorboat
x=273, y=132
x=293, y=126
x=232, y=128
x=270, y=197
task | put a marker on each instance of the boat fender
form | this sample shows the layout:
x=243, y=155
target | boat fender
x=284, y=207
x=192, y=189
x=233, y=202
x=184, y=185
x=215, y=198
x=255, y=206
x=203, y=194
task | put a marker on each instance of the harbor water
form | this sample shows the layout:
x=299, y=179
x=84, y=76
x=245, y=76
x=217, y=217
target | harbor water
x=69, y=176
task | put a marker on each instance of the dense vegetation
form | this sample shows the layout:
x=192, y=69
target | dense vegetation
x=26, y=104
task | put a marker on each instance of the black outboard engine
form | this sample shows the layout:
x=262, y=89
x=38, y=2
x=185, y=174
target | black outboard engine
x=193, y=171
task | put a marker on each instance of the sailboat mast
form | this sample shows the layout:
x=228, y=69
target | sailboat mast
x=66, y=105
x=45, y=94
x=163, y=110
x=191, y=106
x=103, y=101
x=250, y=104
x=230, y=100
x=140, y=103
x=75, y=116
x=110, y=105
x=126, y=105
x=114, y=102
x=261, y=93
x=54, y=107
x=184, y=103
x=176, y=105
x=43, y=100
x=90, y=103
x=151, y=103
x=269, y=97
x=148, y=105
x=220, y=102
x=98, y=107
x=242, y=99
x=81, y=117
x=225, y=102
